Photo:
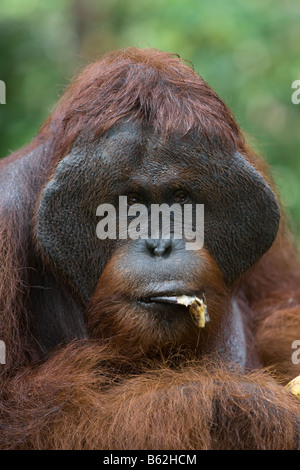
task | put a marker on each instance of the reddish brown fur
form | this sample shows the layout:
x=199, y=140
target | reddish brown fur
x=108, y=394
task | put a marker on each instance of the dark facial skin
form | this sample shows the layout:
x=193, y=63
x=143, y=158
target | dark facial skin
x=118, y=278
x=241, y=213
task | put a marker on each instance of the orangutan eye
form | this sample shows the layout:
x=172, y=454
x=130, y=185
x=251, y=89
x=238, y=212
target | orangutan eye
x=133, y=198
x=181, y=197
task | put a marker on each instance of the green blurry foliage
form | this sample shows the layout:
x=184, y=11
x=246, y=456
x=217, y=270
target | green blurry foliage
x=249, y=52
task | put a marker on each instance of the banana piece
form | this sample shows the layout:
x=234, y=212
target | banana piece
x=294, y=386
x=197, y=309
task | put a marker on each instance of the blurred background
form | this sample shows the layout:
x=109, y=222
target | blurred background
x=249, y=52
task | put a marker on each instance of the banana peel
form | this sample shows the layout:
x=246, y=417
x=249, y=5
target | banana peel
x=197, y=307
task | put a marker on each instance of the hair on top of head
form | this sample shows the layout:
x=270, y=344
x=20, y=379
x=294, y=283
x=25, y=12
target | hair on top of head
x=148, y=85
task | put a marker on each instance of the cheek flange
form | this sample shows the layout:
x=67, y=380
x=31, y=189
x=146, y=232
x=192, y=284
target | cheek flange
x=243, y=217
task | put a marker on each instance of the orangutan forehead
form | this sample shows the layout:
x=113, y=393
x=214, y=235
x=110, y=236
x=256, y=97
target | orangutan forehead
x=131, y=144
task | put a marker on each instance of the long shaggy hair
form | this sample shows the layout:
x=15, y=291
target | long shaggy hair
x=88, y=395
